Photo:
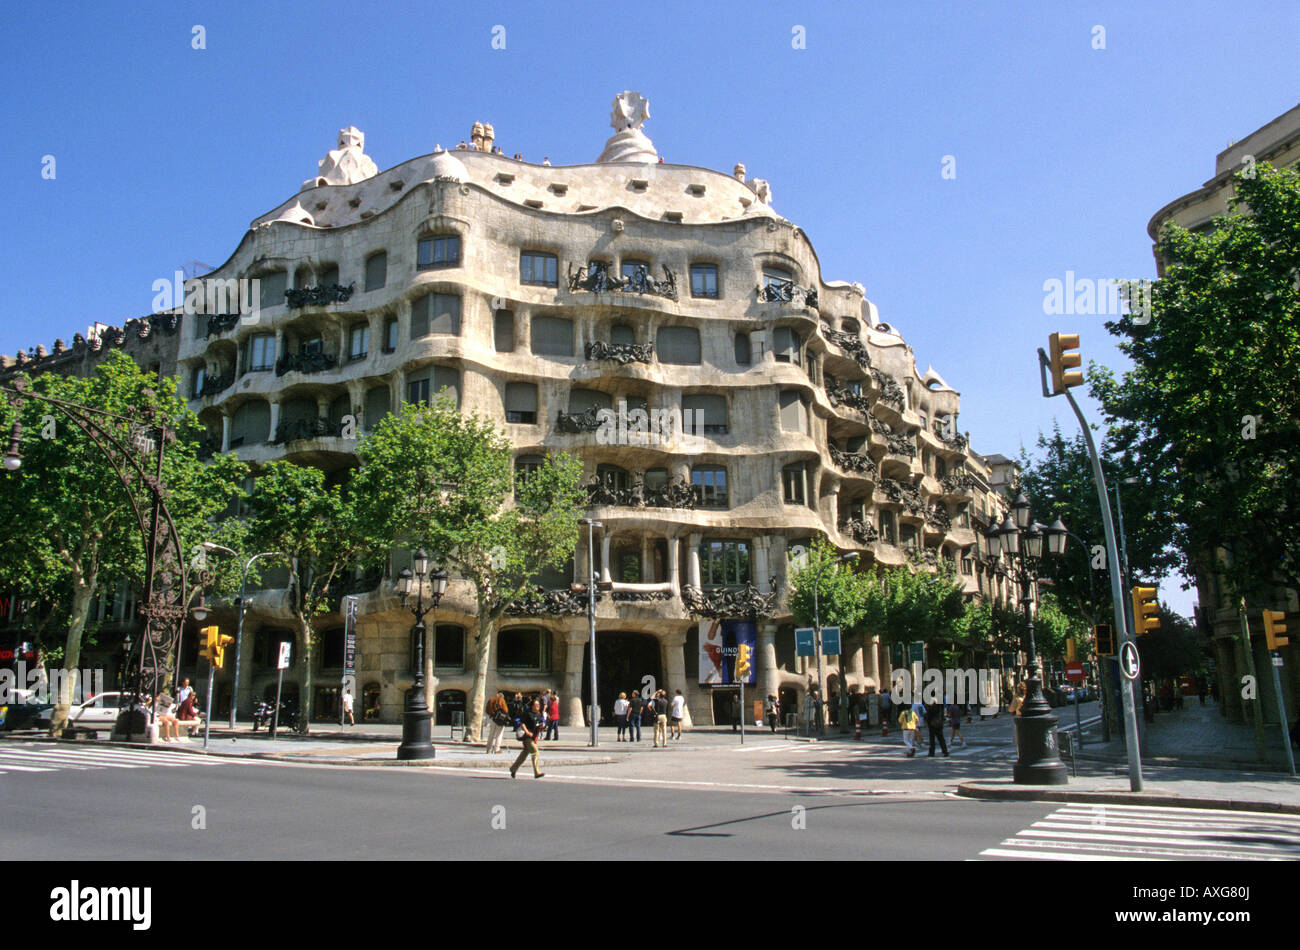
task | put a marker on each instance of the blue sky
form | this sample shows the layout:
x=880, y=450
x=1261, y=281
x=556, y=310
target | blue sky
x=1062, y=152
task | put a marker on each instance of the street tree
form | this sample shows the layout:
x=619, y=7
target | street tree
x=433, y=476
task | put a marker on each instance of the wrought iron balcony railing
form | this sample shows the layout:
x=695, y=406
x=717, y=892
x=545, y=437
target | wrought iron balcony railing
x=319, y=296
x=597, y=278
x=730, y=601
x=219, y=323
x=677, y=493
x=864, y=532
x=782, y=291
x=857, y=462
x=890, y=391
x=539, y=602
x=287, y=432
x=843, y=396
x=897, y=444
x=622, y=353
x=305, y=363
x=587, y=421
x=213, y=385
x=901, y=494
x=851, y=345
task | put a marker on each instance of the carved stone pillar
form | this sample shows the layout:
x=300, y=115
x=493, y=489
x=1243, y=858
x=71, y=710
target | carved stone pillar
x=575, y=642
x=693, y=561
x=604, y=555
x=762, y=576
x=674, y=558
x=870, y=652
x=225, y=440
x=769, y=677
x=647, y=568
x=673, y=651
x=275, y=419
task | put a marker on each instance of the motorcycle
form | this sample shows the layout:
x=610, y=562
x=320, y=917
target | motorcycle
x=264, y=713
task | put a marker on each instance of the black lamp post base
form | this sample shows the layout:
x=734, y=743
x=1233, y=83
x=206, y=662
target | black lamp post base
x=1039, y=762
x=417, y=736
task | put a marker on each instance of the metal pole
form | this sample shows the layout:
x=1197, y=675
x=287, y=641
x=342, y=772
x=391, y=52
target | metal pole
x=239, y=638
x=817, y=641
x=591, y=625
x=1078, y=725
x=1256, y=705
x=207, y=719
x=1281, y=712
x=1117, y=594
x=275, y=716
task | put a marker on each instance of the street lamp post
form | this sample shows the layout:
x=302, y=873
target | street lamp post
x=1038, y=761
x=817, y=639
x=417, y=740
x=591, y=623
x=239, y=626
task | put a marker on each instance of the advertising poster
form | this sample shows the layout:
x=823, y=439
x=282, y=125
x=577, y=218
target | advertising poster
x=719, y=640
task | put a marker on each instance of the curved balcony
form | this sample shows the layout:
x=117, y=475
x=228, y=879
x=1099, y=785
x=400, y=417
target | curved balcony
x=958, y=485
x=597, y=278
x=863, y=532
x=855, y=464
x=677, y=493
x=780, y=291
x=299, y=429
x=841, y=397
x=305, y=363
x=621, y=353
x=321, y=296
x=721, y=602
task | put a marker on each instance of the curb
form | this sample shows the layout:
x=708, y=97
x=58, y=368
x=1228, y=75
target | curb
x=1046, y=794
x=416, y=763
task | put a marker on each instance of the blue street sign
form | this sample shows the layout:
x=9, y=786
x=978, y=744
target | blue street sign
x=831, y=641
x=803, y=641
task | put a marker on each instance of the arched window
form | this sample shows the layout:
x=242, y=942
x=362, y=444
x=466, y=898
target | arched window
x=551, y=336
x=376, y=270
x=679, y=345
x=435, y=313
x=744, y=352
x=250, y=424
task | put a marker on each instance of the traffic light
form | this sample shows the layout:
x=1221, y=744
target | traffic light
x=1071, y=651
x=208, y=643
x=1274, y=628
x=218, y=657
x=1146, y=611
x=1105, y=637
x=742, y=662
x=1064, y=375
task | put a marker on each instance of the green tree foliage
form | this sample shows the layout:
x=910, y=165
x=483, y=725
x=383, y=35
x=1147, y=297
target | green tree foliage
x=840, y=589
x=67, y=525
x=1172, y=650
x=433, y=476
x=1211, y=408
x=316, y=530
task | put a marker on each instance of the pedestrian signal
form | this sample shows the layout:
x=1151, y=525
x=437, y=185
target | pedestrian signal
x=742, y=662
x=208, y=643
x=1146, y=611
x=1104, y=634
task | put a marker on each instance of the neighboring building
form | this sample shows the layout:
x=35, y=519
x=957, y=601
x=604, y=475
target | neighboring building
x=541, y=296
x=1218, y=614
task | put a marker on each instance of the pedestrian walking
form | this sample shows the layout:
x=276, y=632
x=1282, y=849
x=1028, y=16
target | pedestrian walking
x=347, y=707
x=954, y=720
x=885, y=702
x=553, y=718
x=498, y=714
x=734, y=706
x=676, y=714
x=527, y=732
x=661, y=718
x=1019, y=701
x=621, y=707
x=772, y=710
x=934, y=724
x=635, y=706
x=907, y=722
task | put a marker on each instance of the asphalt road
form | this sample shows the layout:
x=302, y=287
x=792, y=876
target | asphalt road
x=265, y=811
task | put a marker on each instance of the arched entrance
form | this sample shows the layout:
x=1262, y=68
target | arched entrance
x=623, y=661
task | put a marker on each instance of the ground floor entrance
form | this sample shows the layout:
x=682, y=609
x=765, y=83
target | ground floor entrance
x=625, y=663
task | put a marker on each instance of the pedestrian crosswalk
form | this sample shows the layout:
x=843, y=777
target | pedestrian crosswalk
x=1080, y=832
x=29, y=758
x=872, y=750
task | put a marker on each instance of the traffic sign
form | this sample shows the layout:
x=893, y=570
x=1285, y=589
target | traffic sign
x=831, y=641
x=1129, y=664
x=803, y=641
x=1074, y=672
x=285, y=649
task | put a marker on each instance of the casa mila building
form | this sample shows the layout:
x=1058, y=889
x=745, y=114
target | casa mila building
x=661, y=322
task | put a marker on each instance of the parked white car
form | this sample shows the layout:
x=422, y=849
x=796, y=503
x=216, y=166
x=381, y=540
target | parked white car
x=98, y=712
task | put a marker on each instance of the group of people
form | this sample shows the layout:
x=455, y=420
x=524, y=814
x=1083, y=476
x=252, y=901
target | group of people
x=534, y=720
x=169, y=713
x=659, y=710
x=934, y=715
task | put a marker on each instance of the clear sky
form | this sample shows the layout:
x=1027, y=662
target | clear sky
x=1061, y=151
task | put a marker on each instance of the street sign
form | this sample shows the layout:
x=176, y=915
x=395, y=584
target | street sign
x=917, y=651
x=1277, y=659
x=1074, y=672
x=831, y=641
x=283, y=662
x=803, y=641
x=1129, y=665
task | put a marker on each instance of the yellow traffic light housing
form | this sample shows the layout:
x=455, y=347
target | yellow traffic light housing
x=1146, y=610
x=742, y=662
x=208, y=643
x=1063, y=362
x=1071, y=651
x=219, y=643
x=1104, y=634
x=1274, y=628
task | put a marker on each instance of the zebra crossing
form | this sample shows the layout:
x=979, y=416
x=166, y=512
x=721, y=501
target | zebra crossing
x=33, y=758
x=1081, y=832
x=873, y=750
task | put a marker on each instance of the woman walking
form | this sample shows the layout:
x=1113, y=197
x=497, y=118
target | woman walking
x=907, y=721
x=621, y=707
x=954, y=720
x=528, y=731
x=773, y=712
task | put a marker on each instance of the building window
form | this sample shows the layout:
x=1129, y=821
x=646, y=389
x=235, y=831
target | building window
x=250, y=424
x=449, y=647
x=200, y=377
x=525, y=465
x=907, y=537
x=621, y=334
x=794, y=482
x=887, y=529
x=503, y=331
x=614, y=478
x=272, y=287
x=331, y=652
x=724, y=563
x=794, y=417
x=656, y=478
x=390, y=335
x=582, y=400
x=376, y=405
x=709, y=482
x=744, y=353
x=785, y=345
x=521, y=403
x=433, y=381
x=704, y=280
x=778, y=279
x=441, y=251
x=708, y=413
x=359, y=341
x=435, y=313
x=376, y=270
x=679, y=345
x=540, y=270
x=261, y=352
x=849, y=326
x=329, y=276
x=522, y=648
x=551, y=336
x=632, y=269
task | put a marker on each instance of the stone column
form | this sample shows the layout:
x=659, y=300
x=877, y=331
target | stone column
x=275, y=419
x=647, y=568
x=693, y=561
x=674, y=581
x=604, y=555
x=575, y=641
x=852, y=665
x=870, y=651
x=672, y=648
x=769, y=677
x=225, y=439
x=762, y=576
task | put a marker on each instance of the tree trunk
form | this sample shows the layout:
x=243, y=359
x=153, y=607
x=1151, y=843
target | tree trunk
x=82, y=595
x=482, y=650
x=304, y=677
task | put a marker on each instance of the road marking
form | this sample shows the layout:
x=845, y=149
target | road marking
x=50, y=759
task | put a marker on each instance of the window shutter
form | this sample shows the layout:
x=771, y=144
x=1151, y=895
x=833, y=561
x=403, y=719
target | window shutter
x=445, y=314
x=376, y=271
x=552, y=336
x=680, y=345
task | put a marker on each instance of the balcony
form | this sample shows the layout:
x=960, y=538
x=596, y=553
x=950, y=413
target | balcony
x=781, y=291
x=597, y=278
x=721, y=602
x=214, y=385
x=899, y=494
x=308, y=362
x=854, y=463
x=937, y=520
x=851, y=345
x=843, y=396
x=575, y=422
x=219, y=323
x=895, y=443
x=621, y=353
x=863, y=532
x=891, y=394
x=300, y=429
x=958, y=484
x=539, y=602
x=321, y=296
x=677, y=493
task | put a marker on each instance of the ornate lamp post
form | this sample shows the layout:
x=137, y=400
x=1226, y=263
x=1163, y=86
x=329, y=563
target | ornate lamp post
x=243, y=609
x=417, y=741
x=1022, y=540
